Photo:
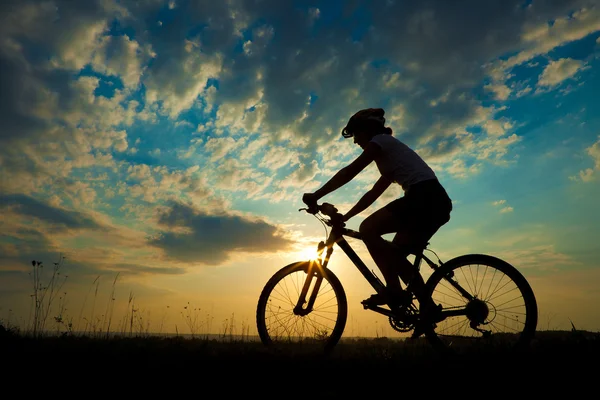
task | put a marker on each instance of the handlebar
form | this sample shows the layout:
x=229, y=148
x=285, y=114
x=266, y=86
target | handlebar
x=335, y=218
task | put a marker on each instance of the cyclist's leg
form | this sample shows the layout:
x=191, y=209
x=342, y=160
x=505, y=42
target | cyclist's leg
x=425, y=210
x=404, y=240
x=385, y=254
x=416, y=236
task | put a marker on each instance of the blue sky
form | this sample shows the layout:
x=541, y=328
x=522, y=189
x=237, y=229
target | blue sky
x=171, y=141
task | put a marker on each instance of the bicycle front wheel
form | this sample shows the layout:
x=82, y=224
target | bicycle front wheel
x=282, y=321
x=485, y=301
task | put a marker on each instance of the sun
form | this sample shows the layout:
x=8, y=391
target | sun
x=309, y=253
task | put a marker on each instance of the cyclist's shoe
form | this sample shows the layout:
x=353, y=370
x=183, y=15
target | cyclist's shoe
x=429, y=315
x=395, y=299
x=418, y=331
x=375, y=300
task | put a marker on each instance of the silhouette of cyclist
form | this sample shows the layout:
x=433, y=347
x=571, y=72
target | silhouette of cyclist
x=414, y=217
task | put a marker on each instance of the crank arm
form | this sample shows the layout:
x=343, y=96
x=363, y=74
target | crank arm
x=381, y=310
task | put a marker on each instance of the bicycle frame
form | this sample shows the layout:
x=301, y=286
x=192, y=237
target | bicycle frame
x=337, y=236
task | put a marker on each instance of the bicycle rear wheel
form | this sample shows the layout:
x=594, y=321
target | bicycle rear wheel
x=485, y=301
x=281, y=323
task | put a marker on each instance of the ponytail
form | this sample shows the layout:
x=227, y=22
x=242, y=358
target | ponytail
x=387, y=130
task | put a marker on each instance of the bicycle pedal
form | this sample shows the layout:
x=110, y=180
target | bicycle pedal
x=370, y=305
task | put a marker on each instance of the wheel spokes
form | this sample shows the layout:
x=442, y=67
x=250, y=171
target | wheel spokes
x=506, y=308
x=283, y=324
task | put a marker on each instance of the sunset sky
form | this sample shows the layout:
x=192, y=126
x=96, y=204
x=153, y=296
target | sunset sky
x=170, y=142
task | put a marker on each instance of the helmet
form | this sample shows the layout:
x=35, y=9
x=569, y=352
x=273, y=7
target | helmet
x=367, y=119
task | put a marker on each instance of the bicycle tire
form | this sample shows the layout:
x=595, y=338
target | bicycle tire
x=321, y=329
x=509, y=301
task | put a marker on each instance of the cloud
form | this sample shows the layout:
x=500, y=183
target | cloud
x=159, y=184
x=541, y=257
x=35, y=229
x=589, y=174
x=537, y=36
x=218, y=148
x=594, y=152
x=19, y=246
x=233, y=173
x=139, y=269
x=86, y=85
x=504, y=208
x=501, y=91
x=460, y=169
x=271, y=87
x=497, y=128
x=585, y=175
x=121, y=57
x=180, y=74
x=47, y=22
x=278, y=157
x=193, y=236
x=22, y=100
x=23, y=205
x=558, y=71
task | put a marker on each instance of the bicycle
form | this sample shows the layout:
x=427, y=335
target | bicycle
x=483, y=299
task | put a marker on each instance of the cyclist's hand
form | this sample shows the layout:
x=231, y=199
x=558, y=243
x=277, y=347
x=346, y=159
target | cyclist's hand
x=311, y=201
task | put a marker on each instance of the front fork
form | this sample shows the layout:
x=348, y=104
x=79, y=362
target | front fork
x=314, y=270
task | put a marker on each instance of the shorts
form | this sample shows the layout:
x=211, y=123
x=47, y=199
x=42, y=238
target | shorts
x=423, y=209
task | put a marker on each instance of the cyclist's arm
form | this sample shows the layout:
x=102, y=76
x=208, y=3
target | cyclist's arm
x=369, y=198
x=348, y=173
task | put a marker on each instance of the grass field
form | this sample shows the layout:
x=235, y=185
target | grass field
x=555, y=362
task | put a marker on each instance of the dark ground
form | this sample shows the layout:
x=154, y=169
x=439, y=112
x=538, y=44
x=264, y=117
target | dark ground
x=556, y=363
